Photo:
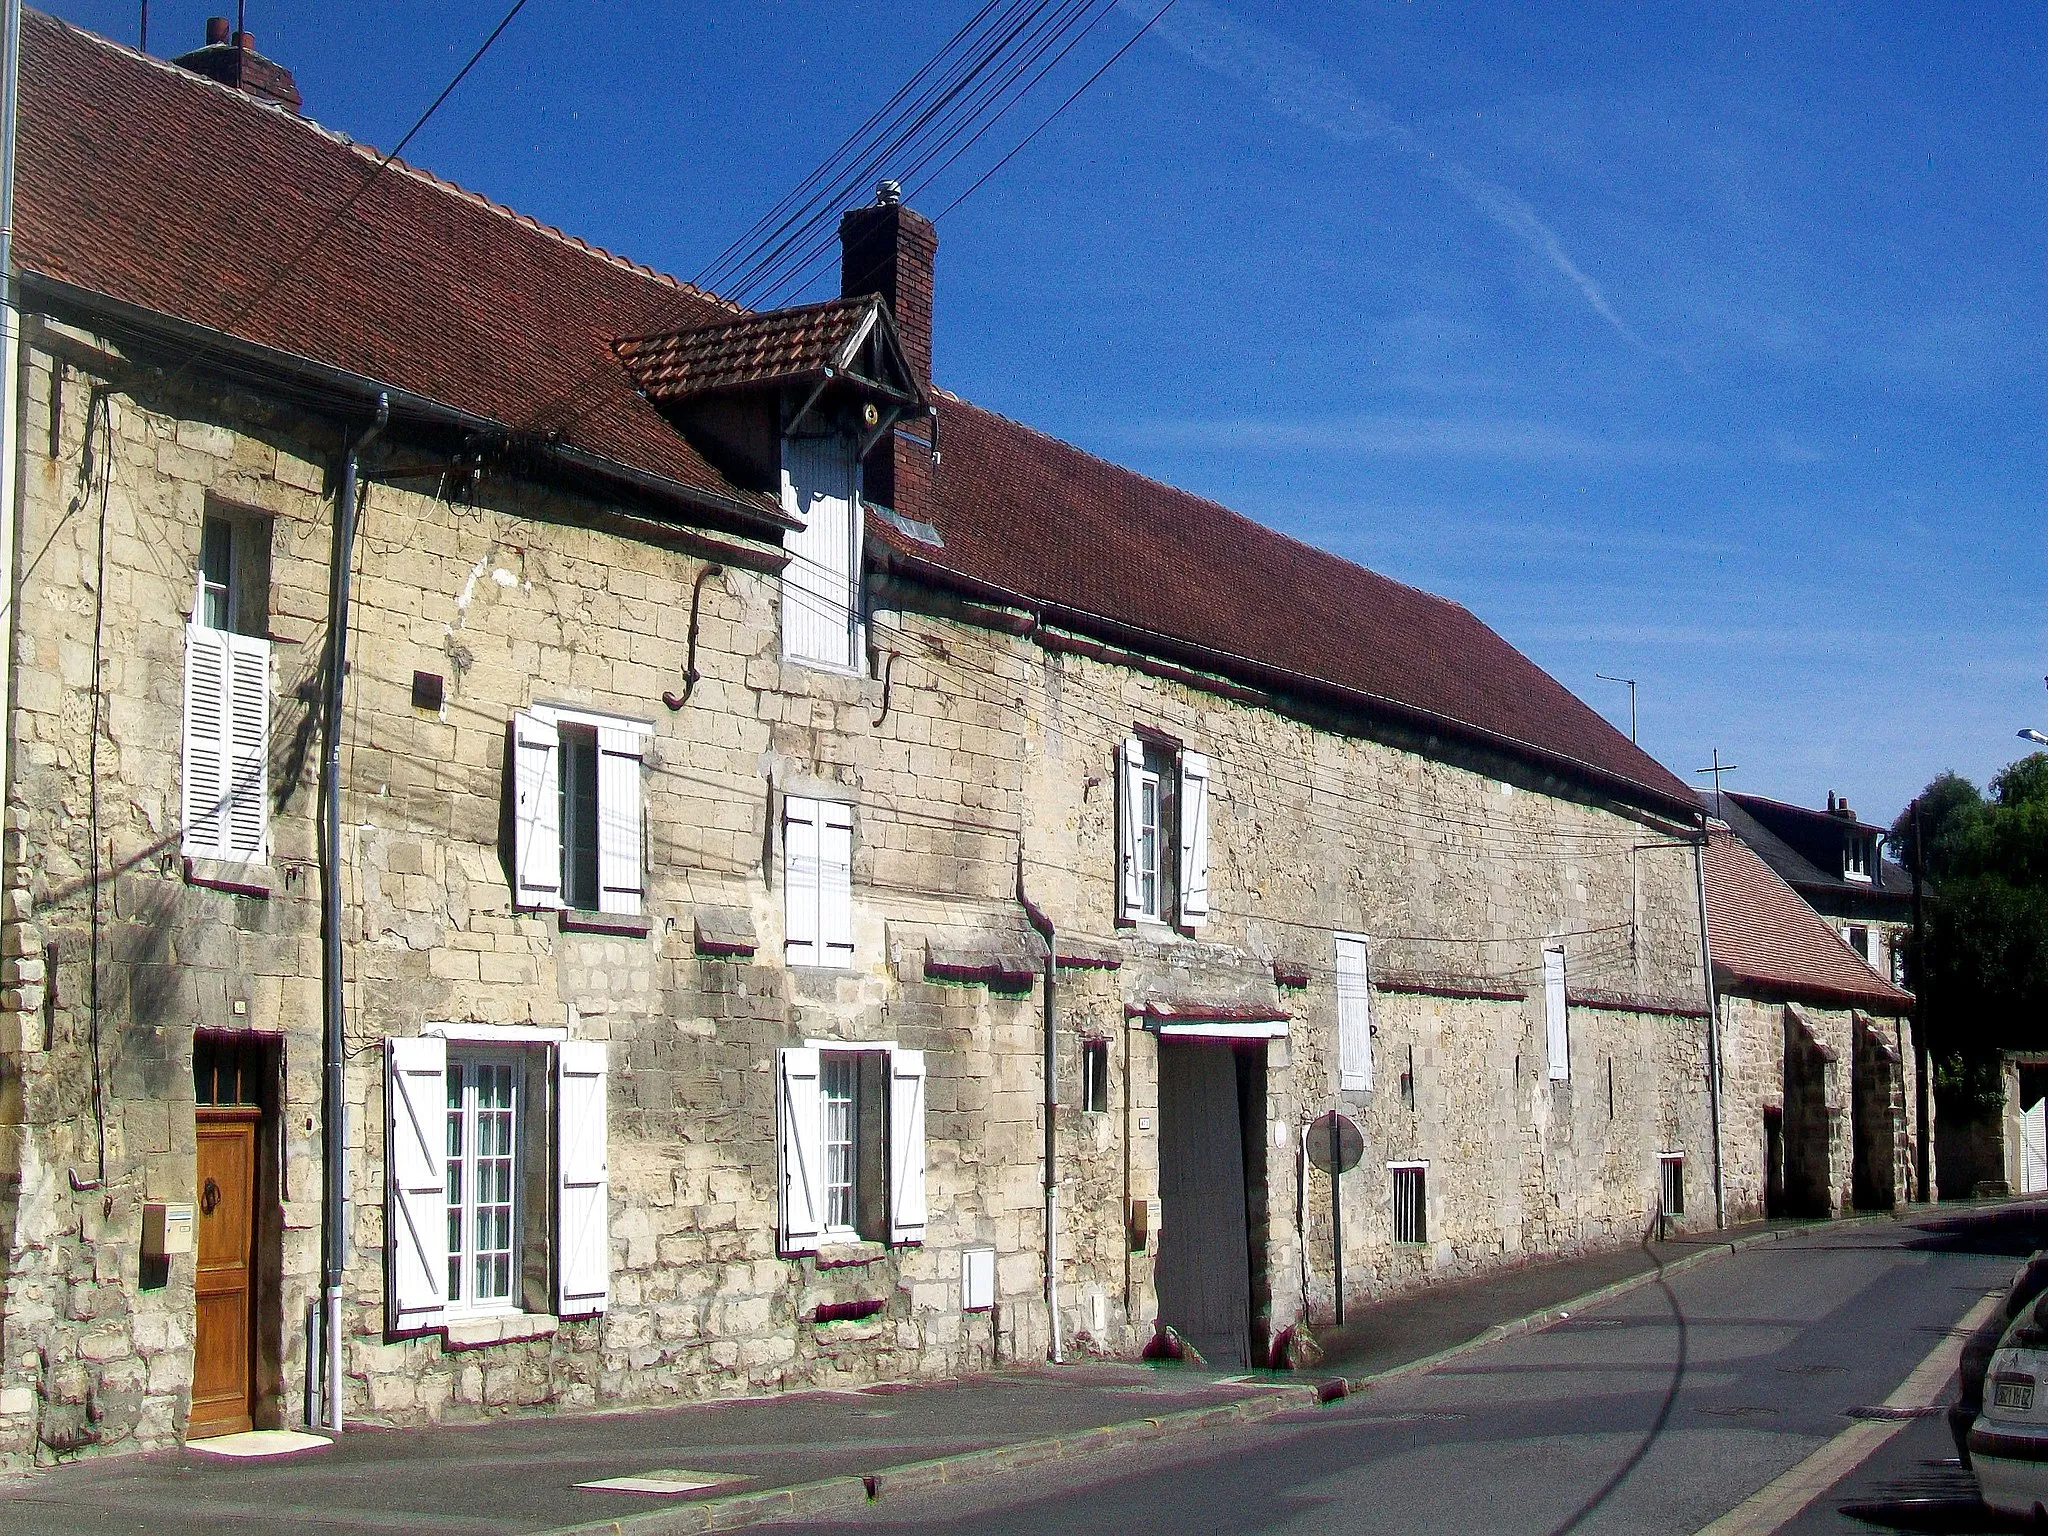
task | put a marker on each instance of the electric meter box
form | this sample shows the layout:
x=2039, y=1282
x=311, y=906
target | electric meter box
x=166, y=1228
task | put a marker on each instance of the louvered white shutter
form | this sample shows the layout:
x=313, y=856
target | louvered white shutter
x=537, y=812
x=835, y=884
x=1130, y=763
x=1354, y=1016
x=820, y=616
x=416, y=1182
x=207, y=773
x=1554, y=1014
x=906, y=1146
x=620, y=883
x=802, y=1161
x=800, y=881
x=248, y=747
x=1194, y=839
x=583, y=1250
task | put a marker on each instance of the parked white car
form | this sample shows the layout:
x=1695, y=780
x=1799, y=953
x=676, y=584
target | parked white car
x=2009, y=1441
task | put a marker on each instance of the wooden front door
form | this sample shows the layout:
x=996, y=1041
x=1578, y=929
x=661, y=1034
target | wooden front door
x=224, y=1352
x=1204, y=1269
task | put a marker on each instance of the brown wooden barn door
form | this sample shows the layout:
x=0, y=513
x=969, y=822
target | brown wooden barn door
x=222, y=1374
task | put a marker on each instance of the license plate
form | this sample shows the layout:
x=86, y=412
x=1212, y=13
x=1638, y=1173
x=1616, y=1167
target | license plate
x=2016, y=1394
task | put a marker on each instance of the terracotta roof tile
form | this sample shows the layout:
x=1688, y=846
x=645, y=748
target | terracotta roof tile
x=752, y=350
x=1762, y=934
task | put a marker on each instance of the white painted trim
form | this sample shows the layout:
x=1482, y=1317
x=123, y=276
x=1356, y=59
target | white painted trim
x=1232, y=1029
x=570, y=714
x=498, y=1034
x=1423, y=1164
x=848, y=1045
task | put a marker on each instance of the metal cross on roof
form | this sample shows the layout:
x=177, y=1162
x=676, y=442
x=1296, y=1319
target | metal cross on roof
x=1717, y=769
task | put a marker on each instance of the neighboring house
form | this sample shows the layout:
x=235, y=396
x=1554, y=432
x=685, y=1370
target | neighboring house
x=754, y=768
x=1818, y=1111
x=1836, y=863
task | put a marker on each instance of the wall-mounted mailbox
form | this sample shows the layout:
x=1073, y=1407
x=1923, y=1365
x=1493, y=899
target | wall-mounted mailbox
x=166, y=1228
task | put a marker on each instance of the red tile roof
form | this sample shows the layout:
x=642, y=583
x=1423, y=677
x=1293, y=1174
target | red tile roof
x=1027, y=514
x=748, y=352
x=1763, y=935
x=144, y=183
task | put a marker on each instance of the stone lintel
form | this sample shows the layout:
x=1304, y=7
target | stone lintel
x=631, y=925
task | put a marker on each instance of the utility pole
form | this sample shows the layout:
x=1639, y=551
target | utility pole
x=1924, y=1162
x=1606, y=678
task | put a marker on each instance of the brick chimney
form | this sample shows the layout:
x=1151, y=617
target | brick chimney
x=889, y=249
x=231, y=58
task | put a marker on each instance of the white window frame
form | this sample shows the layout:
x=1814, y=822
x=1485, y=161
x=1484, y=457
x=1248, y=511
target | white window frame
x=1195, y=776
x=1666, y=1162
x=800, y=1133
x=540, y=852
x=1148, y=783
x=463, y=1301
x=817, y=882
x=840, y=1069
x=1354, y=1013
x=1856, y=850
x=1395, y=1170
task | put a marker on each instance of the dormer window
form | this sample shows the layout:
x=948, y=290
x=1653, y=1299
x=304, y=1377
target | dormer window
x=1858, y=854
x=821, y=621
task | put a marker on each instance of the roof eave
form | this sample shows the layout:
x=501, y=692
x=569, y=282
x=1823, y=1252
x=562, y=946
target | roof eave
x=325, y=387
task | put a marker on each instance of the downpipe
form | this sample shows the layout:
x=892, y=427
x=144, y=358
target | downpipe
x=1044, y=928
x=334, y=1098
x=1699, y=870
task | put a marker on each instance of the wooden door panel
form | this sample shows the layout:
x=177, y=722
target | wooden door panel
x=221, y=1355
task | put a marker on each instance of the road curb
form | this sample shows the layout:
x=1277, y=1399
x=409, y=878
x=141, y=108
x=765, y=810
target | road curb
x=832, y=1494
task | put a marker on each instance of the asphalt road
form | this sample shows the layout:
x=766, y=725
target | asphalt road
x=1659, y=1412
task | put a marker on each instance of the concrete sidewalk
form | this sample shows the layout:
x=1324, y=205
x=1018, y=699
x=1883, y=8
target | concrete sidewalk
x=799, y=1453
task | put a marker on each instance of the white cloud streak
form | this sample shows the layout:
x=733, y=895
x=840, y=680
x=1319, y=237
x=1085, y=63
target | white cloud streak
x=1299, y=86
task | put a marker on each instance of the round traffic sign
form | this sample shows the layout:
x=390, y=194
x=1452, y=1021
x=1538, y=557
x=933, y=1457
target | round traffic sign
x=1335, y=1139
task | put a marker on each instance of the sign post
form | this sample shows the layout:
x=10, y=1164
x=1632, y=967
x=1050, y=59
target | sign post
x=1335, y=1145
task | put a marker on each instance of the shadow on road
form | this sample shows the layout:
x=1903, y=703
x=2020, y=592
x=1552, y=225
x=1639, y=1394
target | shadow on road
x=1936, y=1516
x=1621, y=1474
x=2011, y=1233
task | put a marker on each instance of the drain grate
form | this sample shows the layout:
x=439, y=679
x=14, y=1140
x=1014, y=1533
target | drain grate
x=1888, y=1413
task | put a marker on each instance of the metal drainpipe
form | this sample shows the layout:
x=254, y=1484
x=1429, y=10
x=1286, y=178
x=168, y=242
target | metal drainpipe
x=1699, y=869
x=334, y=1102
x=10, y=338
x=1043, y=924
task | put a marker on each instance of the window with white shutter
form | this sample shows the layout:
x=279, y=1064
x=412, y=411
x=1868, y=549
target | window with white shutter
x=1557, y=1026
x=578, y=815
x=1130, y=823
x=817, y=881
x=582, y=1180
x=1194, y=839
x=1354, y=1015
x=226, y=746
x=468, y=1146
x=416, y=1182
x=851, y=1145
x=821, y=583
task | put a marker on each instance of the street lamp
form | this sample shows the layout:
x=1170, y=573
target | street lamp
x=2035, y=737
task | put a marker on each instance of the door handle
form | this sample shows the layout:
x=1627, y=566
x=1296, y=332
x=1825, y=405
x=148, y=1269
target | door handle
x=209, y=1197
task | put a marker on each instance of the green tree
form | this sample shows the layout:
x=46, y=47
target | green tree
x=1981, y=966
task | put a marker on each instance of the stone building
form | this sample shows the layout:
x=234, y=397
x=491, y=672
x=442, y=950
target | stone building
x=1819, y=1113
x=796, y=880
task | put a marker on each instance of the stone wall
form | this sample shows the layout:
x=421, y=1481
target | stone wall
x=974, y=754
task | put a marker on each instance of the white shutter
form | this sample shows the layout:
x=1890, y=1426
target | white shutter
x=906, y=1146
x=207, y=774
x=1554, y=1014
x=835, y=884
x=248, y=746
x=536, y=812
x=583, y=1252
x=802, y=1172
x=1354, y=1016
x=1130, y=763
x=416, y=1182
x=620, y=884
x=800, y=881
x=1194, y=839
x=820, y=619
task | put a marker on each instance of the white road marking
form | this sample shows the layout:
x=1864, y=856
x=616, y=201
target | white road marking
x=1781, y=1501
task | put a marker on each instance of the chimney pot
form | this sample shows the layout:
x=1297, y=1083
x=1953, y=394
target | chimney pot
x=888, y=194
x=246, y=41
x=216, y=31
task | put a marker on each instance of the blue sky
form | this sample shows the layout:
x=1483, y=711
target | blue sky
x=1703, y=346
